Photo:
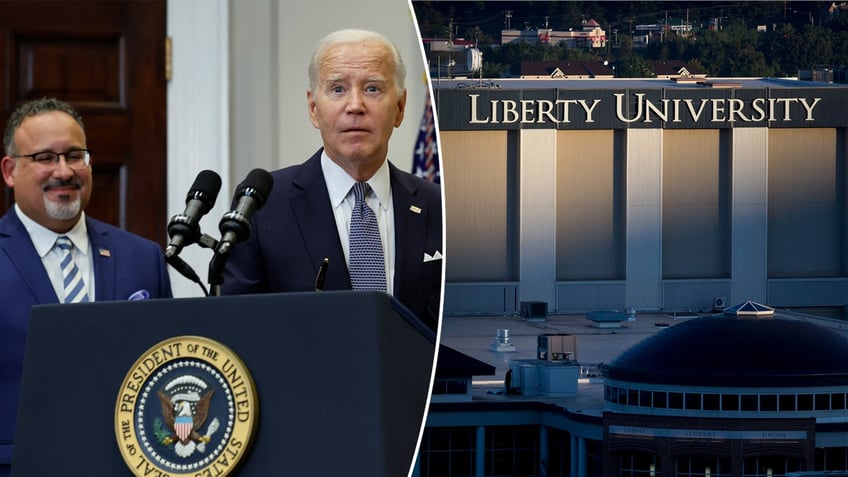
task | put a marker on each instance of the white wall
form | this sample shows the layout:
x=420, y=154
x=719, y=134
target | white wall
x=272, y=42
x=198, y=117
x=237, y=98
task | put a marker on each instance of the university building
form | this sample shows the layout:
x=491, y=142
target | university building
x=670, y=197
x=651, y=194
x=720, y=395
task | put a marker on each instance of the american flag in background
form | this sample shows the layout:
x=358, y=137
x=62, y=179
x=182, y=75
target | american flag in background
x=425, y=163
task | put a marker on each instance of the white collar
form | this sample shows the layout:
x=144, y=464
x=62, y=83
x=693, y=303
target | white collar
x=339, y=182
x=43, y=238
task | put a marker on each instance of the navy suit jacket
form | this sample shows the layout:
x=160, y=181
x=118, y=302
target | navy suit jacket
x=295, y=230
x=123, y=264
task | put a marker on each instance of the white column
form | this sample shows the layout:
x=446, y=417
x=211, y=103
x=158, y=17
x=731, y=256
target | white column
x=537, y=215
x=480, y=452
x=750, y=214
x=644, y=219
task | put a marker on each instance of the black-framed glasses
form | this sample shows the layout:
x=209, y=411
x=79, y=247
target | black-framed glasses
x=75, y=158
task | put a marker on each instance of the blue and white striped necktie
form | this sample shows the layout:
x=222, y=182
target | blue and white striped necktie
x=75, y=291
x=367, y=266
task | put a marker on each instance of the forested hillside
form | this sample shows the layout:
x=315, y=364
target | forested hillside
x=725, y=40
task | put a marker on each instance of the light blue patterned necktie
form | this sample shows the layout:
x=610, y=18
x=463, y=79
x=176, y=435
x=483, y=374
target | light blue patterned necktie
x=71, y=276
x=367, y=266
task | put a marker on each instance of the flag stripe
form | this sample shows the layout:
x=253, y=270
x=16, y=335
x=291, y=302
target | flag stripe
x=426, y=154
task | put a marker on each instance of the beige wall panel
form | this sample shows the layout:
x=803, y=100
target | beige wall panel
x=695, y=210
x=806, y=204
x=589, y=232
x=475, y=171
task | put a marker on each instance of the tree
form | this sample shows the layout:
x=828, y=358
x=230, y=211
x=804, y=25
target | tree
x=790, y=43
x=634, y=66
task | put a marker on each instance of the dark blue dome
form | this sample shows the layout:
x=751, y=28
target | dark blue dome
x=731, y=351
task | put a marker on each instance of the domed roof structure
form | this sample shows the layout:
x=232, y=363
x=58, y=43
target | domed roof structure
x=736, y=351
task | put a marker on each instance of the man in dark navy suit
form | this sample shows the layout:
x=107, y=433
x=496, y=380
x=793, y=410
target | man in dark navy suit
x=356, y=98
x=50, y=251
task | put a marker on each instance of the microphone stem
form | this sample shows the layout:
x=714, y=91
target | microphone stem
x=216, y=272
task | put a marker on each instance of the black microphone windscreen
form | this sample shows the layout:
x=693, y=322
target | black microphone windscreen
x=260, y=181
x=206, y=187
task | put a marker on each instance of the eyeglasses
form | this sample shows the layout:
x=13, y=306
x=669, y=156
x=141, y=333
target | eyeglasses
x=75, y=158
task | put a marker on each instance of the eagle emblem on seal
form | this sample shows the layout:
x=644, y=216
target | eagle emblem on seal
x=185, y=406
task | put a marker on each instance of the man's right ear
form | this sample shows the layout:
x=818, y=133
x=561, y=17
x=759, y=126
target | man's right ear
x=7, y=165
x=310, y=106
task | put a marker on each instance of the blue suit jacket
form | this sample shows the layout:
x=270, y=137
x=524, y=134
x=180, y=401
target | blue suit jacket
x=295, y=230
x=123, y=264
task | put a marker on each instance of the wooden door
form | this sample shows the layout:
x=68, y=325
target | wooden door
x=106, y=58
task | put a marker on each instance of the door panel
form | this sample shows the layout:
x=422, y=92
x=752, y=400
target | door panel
x=106, y=58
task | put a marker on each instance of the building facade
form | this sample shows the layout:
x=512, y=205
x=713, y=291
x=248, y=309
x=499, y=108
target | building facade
x=656, y=195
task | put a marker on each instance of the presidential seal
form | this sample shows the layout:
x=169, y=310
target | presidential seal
x=187, y=407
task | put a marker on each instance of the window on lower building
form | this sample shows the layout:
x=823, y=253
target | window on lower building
x=675, y=400
x=729, y=402
x=693, y=401
x=832, y=459
x=837, y=401
x=512, y=450
x=768, y=402
x=447, y=452
x=450, y=386
x=711, y=402
x=787, y=402
x=771, y=466
x=660, y=399
x=702, y=466
x=822, y=402
x=638, y=464
x=805, y=402
x=749, y=402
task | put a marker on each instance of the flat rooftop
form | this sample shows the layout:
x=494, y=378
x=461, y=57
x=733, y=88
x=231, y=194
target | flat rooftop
x=474, y=335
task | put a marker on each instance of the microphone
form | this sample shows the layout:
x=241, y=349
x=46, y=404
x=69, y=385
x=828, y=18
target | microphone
x=250, y=196
x=322, y=274
x=184, y=229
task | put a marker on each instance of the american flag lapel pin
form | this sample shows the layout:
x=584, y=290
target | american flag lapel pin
x=415, y=209
x=105, y=252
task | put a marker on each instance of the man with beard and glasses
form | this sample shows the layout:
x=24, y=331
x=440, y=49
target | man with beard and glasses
x=50, y=251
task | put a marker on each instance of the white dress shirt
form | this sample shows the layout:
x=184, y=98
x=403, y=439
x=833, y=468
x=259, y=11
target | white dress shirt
x=339, y=185
x=44, y=240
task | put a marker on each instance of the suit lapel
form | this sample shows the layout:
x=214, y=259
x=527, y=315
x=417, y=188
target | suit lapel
x=410, y=230
x=104, y=263
x=314, y=215
x=16, y=244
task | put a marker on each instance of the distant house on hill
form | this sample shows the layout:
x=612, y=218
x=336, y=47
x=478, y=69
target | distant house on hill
x=677, y=69
x=565, y=70
x=590, y=35
x=452, y=58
